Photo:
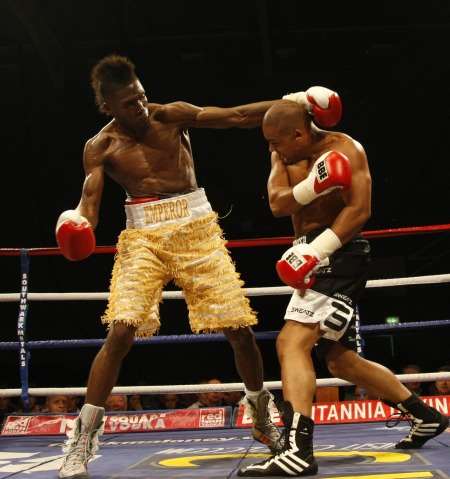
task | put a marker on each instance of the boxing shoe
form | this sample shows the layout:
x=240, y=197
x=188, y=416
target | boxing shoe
x=82, y=443
x=425, y=421
x=296, y=458
x=264, y=430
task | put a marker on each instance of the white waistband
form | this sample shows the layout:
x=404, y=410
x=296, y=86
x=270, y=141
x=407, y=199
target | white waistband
x=175, y=210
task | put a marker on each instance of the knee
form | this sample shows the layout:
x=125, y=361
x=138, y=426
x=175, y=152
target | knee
x=334, y=367
x=242, y=338
x=120, y=339
x=292, y=339
x=284, y=343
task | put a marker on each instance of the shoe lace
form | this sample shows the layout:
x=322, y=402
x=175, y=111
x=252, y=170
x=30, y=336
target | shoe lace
x=81, y=446
x=261, y=415
x=79, y=450
x=394, y=419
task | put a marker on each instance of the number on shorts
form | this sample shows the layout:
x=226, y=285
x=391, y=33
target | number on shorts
x=340, y=322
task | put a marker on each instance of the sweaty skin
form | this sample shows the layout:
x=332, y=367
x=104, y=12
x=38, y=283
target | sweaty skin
x=146, y=150
x=293, y=153
x=345, y=211
x=146, y=147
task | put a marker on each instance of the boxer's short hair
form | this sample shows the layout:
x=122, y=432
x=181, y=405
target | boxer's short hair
x=109, y=74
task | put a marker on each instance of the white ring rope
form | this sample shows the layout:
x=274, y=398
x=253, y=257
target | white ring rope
x=263, y=291
x=198, y=388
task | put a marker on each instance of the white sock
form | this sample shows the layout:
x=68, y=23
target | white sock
x=91, y=416
x=252, y=395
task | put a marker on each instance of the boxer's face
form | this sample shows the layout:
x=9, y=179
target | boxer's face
x=287, y=144
x=128, y=105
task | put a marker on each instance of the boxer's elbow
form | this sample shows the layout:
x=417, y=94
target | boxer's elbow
x=278, y=213
x=360, y=216
x=365, y=212
x=240, y=119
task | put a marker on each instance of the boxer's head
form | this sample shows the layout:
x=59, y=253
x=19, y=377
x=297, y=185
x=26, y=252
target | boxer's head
x=287, y=127
x=118, y=91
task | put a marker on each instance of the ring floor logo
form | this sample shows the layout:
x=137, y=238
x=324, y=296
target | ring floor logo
x=343, y=452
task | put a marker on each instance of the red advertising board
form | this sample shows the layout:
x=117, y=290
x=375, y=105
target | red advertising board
x=347, y=412
x=203, y=418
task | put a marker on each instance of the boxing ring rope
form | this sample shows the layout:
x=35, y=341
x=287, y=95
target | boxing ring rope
x=261, y=291
x=204, y=338
x=251, y=243
x=24, y=297
x=201, y=388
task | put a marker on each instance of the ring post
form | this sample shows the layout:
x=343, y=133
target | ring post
x=21, y=327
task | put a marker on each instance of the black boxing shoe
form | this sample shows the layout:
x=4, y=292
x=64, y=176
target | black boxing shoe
x=297, y=457
x=426, y=422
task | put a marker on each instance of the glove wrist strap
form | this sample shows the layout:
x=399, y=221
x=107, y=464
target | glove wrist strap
x=326, y=243
x=303, y=192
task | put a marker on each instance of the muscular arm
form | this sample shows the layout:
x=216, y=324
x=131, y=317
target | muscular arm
x=281, y=200
x=93, y=184
x=357, y=211
x=191, y=116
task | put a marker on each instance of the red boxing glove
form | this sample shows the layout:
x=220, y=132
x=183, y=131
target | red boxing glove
x=296, y=266
x=323, y=104
x=326, y=106
x=332, y=170
x=74, y=235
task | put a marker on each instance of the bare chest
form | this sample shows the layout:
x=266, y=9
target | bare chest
x=152, y=165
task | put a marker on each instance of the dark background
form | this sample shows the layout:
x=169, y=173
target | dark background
x=388, y=60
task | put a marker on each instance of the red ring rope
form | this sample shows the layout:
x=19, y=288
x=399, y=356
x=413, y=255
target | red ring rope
x=250, y=243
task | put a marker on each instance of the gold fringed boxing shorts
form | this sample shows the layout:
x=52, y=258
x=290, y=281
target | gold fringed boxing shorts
x=177, y=238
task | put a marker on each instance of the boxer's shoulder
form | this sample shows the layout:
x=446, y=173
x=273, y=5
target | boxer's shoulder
x=101, y=146
x=342, y=142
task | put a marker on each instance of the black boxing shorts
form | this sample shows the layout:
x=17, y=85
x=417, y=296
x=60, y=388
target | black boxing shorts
x=332, y=299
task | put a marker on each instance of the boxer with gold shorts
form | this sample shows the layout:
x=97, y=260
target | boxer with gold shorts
x=178, y=239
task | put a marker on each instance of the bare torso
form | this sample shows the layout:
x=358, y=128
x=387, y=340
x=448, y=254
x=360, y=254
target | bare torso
x=323, y=211
x=159, y=162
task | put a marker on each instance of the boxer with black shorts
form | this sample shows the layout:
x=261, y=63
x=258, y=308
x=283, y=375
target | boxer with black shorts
x=322, y=180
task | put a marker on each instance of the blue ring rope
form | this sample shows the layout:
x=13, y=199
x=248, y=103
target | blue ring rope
x=206, y=338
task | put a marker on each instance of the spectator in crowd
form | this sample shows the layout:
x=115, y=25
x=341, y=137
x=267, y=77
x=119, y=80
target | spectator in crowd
x=232, y=398
x=208, y=399
x=186, y=400
x=415, y=387
x=73, y=403
x=358, y=393
x=147, y=401
x=116, y=402
x=36, y=405
x=135, y=403
x=169, y=401
x=441, y=387
x=6, y=407
x=56, y=404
